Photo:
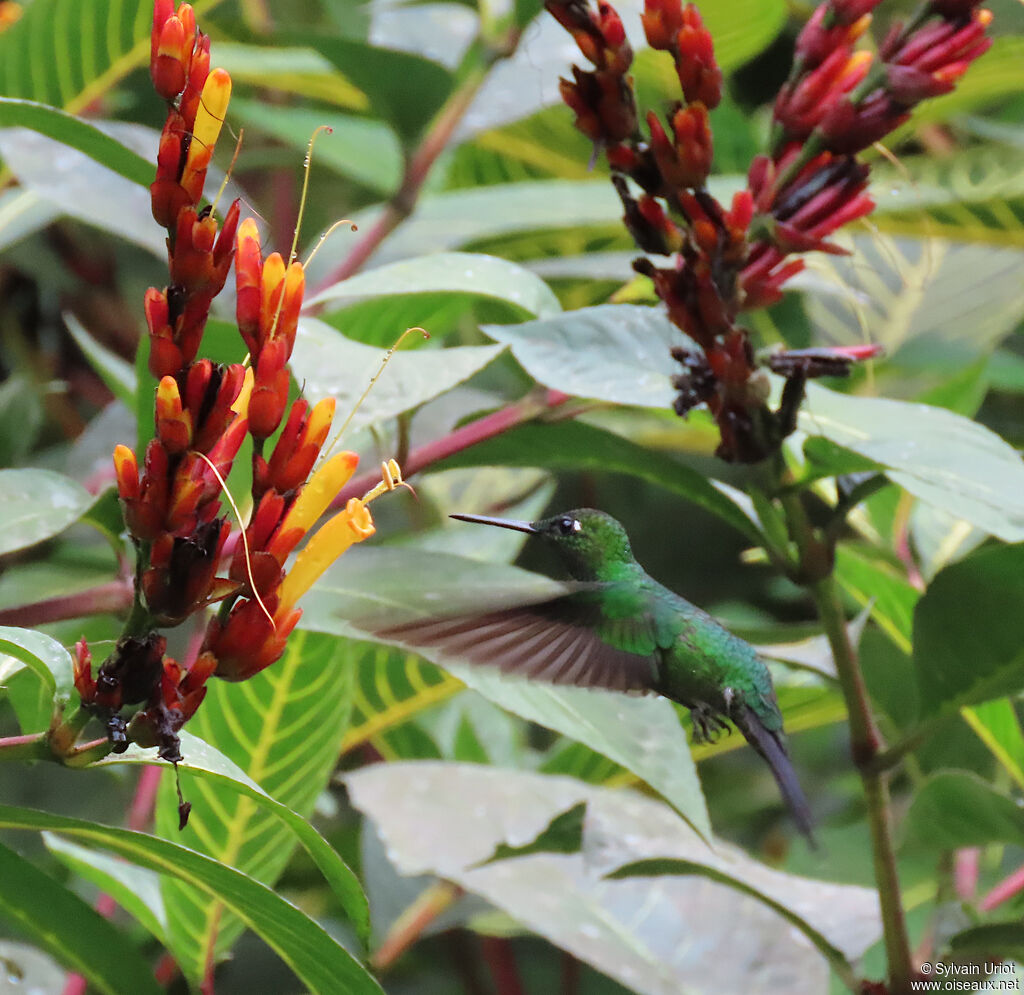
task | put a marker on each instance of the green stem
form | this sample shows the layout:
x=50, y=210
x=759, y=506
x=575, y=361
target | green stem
x=865, y=742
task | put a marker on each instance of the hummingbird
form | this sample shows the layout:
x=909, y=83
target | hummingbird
x=618, y=628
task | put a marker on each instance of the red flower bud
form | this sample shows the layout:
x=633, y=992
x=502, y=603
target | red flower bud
x=662, y=20
x=699, y=75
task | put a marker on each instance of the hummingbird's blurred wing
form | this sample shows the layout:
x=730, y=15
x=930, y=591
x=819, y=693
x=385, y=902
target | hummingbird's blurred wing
x=566, y=640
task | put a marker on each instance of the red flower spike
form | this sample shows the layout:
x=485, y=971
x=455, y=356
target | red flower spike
x=173, y=423
x=263, y=567
x=848, y=128
x=162, y=10
x=269, y=396
x=210, y=391
x=600, y=36
x=144, y=501
x=84, y=683
x=199, y=71
x=299, y=445
x=181, y=572
x=248, y=276
x=169, y=66
x=832, y=26
x=699, y=75
x=801, y=106
x=248, y=642
x=662, y=20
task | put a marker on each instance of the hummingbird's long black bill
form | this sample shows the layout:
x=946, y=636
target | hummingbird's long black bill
x=504, y=523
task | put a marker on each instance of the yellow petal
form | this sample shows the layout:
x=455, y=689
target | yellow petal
x=241, y=405
x=321, y=490
x=212, y=109
x=352, y=525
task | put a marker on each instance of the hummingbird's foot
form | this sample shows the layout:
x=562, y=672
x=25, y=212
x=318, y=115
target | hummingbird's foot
x=706, y=724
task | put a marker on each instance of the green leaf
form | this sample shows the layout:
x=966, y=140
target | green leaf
x=929, y=301
x=639, y=932
x=136, y=890
x=357, y=147
x=83, y=188
x=117, y=374
x=575, y=445
x=299, y=71
x=404, y=89
x=63, y=924
x=450, y=272
x=76, y=134
x=876, y=583
x=659, y=867
x=563, y=834
x=411, y=378
x=21, y=214
x=215, y=769
x=969, y=631
x=615, y=352
x=29, y=967
x=936, y=455
x=37, y=504
x=317, y=960
x=954, y=809
x=830, y=460
x=996, y=724
x=458, y=218
x=44, y=656
x=642, y=734
x=68, y=55
x=991, y=941
x=527, y=82
x=391, y=687
x=283, y=728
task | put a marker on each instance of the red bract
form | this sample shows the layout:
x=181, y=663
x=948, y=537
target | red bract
x=836, y=102
x=203, y=413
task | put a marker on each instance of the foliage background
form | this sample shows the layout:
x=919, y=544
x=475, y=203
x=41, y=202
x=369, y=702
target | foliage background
x=936, y=278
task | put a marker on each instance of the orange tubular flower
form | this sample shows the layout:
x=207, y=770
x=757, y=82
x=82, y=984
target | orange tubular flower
x=144, y=502
x=297, y=448
x=269, y=299
x=249, y=641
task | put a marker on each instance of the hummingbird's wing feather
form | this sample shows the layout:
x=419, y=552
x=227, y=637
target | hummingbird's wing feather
x=770, y=745
x=558, y=641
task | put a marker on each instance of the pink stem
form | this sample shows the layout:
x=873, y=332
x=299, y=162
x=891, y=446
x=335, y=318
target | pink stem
x=417, y=169
x=1006, y=889
x=965, y=872
x=114, y=597
x=497, y=422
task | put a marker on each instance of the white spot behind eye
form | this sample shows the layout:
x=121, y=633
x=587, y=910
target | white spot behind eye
x=576, y=525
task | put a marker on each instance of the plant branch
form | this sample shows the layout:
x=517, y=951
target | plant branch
x=30, y=747
x=865, y=742
x=1005, y=890
x=525, y=409
x=409, y=926
x=112, y=598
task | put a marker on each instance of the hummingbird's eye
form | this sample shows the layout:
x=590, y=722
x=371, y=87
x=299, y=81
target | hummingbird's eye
x=568, y=525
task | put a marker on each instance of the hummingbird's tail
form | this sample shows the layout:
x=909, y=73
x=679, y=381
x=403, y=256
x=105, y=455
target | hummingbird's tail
x=770, y=745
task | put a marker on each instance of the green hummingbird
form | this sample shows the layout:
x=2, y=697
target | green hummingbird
x=618, y=628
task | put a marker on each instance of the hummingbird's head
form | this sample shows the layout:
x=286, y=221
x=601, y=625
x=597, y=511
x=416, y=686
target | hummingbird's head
x=587, y=541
